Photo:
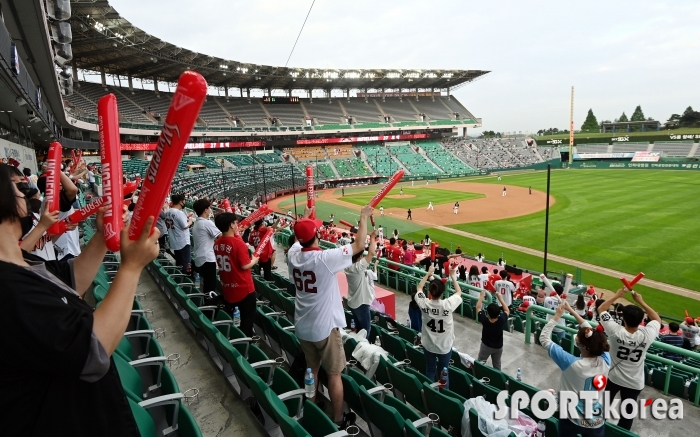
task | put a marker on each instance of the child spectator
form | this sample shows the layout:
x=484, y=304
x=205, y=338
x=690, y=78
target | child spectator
x=492, y=321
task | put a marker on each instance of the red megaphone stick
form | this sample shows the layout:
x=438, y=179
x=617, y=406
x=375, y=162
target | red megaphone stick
x=310, y=195
x=348, y=224
x=393, y=180
x=111, y=158
x=182, y=115
x=263, y=243
x=254, y=216
x=630, y=284
x=52, y=196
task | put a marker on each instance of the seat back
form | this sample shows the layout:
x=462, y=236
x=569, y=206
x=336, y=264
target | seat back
x=144, y=421
x=382, y=416
x=448, y=408
x=394, y=345
x=409, y=386
x=496, y=377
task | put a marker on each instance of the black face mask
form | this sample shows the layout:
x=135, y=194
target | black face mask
x=27, y=222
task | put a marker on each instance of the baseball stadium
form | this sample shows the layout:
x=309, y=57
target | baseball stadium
x=94, y=105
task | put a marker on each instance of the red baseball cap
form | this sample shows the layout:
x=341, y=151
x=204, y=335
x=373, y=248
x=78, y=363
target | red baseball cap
x=306, y=229
x=689, y=321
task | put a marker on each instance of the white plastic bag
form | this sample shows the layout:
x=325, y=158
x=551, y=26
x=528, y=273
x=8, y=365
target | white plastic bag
x=490, y=427
x=378, y=306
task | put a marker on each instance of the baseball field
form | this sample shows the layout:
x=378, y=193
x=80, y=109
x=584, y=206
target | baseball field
x=626, y=220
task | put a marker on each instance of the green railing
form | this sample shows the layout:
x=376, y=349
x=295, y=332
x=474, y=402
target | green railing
x=670, y=364
x=403, y=280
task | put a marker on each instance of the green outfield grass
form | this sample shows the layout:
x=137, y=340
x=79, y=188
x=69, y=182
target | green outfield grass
x=626, y=220
x=414, y=197
x=351, y=214
x=661, y=301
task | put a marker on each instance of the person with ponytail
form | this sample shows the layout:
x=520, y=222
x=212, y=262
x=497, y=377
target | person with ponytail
x=437, y=330
x=578, y=373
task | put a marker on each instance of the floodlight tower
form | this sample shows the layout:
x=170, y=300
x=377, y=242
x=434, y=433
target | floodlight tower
x=571, y=128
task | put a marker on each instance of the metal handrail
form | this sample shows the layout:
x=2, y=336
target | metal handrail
x=670, y=364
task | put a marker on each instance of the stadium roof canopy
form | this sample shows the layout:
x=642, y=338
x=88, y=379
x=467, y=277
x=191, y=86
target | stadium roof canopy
x=105, y=41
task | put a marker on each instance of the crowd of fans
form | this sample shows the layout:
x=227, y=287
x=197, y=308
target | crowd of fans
x=74, y=342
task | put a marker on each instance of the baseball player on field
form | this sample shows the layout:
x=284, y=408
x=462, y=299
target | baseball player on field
x=319, y=314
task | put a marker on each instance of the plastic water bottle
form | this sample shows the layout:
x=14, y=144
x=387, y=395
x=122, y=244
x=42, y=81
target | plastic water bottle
x=443, y=377
x=196, y=278
x=540, y=429
x=377, y=341
x=352, y=325
x=408, y=322
x=236, y=317
x=519, y=375
x=309, y=383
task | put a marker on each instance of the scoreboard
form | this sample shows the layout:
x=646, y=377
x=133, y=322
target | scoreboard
x=279, y=100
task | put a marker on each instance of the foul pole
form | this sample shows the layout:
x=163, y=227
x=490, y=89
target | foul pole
x=571, y=128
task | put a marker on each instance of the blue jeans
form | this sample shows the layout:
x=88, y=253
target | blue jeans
x=567, y=427
x=362, y=318
x=443, y=361
x=416, y=319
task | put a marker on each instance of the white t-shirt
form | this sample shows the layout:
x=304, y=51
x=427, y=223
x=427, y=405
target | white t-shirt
x=552, y=302
x=178, y=232
x=628, y=351
x=69, y=242
x=360, y=284
x=438, y=327
x=506, y=288
x=90, y=176
x=161, y=223
x=691, y=333
x=530, y=299
x=476, y=281
x=318, y=308
x=204, y=233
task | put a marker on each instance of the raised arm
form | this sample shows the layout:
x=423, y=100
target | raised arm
x=422, y=282
x=453, y=276
x=359, y=245
x=653, y=315
x=605, y=305
x=86, y=265
x=69, y=188
x=372, y=249
x=480, y=302
x=503, y=304
x=573, y=312
x=48, y=218
x=112, y=316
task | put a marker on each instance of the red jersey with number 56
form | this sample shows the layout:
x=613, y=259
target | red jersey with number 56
x=231, y=255
x=318, y=307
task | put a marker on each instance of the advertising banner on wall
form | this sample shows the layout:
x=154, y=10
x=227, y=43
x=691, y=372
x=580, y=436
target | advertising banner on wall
x=646, y=157
x=196, y=146
x=24, y=155
x=365, y=139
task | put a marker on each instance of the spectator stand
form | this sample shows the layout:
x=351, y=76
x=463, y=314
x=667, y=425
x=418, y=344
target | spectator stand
x=679, y=379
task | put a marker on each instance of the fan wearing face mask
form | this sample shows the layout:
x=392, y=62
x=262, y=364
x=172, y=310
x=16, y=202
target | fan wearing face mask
x=578, y=373
x=58, y=367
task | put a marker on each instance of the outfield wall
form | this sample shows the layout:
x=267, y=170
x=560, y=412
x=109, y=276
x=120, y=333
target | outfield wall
x=633, y=165
x=615, y=138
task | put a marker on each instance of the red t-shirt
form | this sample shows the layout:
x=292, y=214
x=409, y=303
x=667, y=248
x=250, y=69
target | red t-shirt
x=254, y=239
x=491, y=282
x=393, y=253
x=231, y=254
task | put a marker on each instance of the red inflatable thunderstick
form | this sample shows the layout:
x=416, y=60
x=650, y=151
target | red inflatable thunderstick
x=111, y=157
x=182, y=115
x=52, y=197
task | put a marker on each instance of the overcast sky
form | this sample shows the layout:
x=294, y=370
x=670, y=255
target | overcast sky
x=618, y=54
